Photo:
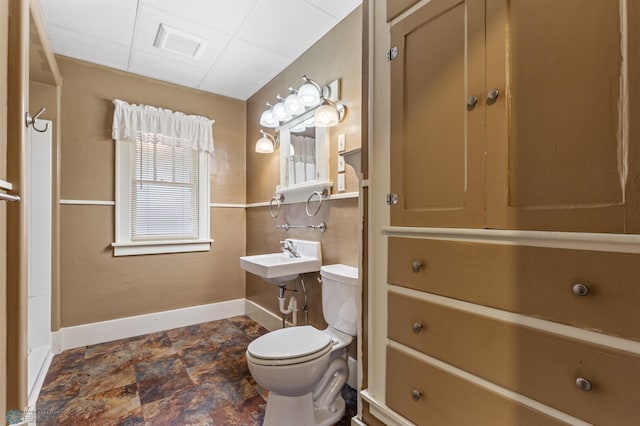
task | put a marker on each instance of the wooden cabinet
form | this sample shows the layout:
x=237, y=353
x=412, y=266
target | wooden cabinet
x=507, y=119
x=551, y=152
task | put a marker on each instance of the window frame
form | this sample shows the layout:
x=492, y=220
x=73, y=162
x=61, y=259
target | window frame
x=125, y=173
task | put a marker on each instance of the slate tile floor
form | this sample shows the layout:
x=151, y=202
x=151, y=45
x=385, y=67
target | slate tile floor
x=195, y=375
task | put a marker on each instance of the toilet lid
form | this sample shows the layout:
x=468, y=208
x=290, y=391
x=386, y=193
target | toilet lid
x=292, y=342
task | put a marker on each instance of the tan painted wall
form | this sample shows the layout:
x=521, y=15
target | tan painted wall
x=95, y=286
x=335, y=56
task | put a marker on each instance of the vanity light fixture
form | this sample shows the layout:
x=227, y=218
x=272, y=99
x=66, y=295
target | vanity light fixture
x=329, y=114
x=292, y=103
x=309, y=93
x=267, y=119
x=279, y=111
x=267, y=143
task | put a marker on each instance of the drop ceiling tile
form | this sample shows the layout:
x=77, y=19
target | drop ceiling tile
x=228, y=85
x=165, y=69
x=87, y=48
x=287, y=27
x=251, y=63
x=224, y=16
x=337, y=8
x=111, y=20
x=149, y=21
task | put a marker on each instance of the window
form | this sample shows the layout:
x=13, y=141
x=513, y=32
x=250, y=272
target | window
x=162, y=200
x=162, y=196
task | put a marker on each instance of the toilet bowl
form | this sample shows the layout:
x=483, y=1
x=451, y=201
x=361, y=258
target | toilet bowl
x=303, y=368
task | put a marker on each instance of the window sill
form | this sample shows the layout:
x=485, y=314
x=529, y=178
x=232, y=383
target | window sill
x=159, y=247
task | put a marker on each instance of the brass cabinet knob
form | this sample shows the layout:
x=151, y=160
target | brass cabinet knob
x=416, y=395
x=580, y=289
x=417, y=327
x=472, y=101
x=416, y=265
x=583, y=384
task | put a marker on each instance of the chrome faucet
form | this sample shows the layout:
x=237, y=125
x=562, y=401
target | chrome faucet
x=289, y=247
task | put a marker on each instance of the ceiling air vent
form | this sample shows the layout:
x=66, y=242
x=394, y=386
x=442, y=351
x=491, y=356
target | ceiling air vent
x=177, y=41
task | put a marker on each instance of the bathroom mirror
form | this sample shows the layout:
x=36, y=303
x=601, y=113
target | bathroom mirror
x=304, y=158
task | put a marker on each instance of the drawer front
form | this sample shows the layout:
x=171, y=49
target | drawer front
x=534, y=281
x=445, y=399
x=542, y=366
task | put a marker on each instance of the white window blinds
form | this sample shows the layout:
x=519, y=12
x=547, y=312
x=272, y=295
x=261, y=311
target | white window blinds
x=164, y=193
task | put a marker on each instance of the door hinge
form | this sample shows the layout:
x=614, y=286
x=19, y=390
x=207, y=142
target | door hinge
x=392, y=199
x=392, y=53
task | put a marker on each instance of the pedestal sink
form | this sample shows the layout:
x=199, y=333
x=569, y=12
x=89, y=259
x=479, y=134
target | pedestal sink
x=281, y=267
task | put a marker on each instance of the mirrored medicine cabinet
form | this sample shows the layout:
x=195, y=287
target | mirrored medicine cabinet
x=304, y=159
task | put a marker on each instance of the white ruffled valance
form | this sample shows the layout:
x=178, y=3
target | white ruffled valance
x=150, y=124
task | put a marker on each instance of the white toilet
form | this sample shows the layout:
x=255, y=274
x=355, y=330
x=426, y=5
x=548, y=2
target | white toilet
x=303, y=368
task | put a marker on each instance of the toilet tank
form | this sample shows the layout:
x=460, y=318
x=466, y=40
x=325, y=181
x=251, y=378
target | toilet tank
x=340, y=297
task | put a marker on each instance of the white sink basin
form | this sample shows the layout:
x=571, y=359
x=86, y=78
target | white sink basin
x=279, y=268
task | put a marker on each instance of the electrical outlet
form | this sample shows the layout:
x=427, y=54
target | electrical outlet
x=341, y=184
x=341, y=163
x=342, y=145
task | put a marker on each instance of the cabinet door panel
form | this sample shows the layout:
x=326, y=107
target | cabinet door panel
x=560, y=131
x=436, y=144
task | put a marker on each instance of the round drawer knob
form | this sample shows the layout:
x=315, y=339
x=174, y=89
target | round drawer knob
x=472, y=101
x=416, y=395
x=493, y=94
x=583, y=384
x=580, y=289
x=417, y=327
x=416, y=265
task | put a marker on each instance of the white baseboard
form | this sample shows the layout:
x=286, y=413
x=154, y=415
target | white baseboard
x=357, y=422
x=42, y=374
x=265, y=318
x=122, y=328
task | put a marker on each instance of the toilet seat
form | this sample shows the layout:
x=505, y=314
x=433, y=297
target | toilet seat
x=288, y=346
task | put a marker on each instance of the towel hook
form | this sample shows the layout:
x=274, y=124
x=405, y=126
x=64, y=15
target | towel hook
x=31, y=121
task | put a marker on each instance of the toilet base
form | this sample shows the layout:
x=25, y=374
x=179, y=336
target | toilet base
x=298, y=410
x=328, y=418
x=289, y=410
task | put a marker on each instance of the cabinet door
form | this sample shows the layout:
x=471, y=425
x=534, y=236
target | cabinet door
x=437, y=143
x=558, y=140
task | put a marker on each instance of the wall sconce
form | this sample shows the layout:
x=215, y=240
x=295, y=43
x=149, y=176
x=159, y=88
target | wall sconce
x=267, y=143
